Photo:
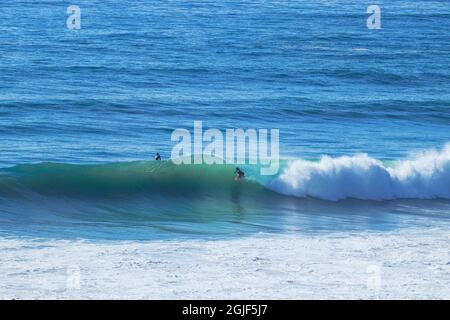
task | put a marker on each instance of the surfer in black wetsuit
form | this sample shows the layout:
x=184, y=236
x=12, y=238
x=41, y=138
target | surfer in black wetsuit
x=157, y=157
x=239, y=174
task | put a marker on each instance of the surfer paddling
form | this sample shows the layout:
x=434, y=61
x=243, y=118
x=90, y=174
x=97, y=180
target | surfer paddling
x=239, y=174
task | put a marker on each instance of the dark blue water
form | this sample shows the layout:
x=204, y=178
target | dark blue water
x=114, y=91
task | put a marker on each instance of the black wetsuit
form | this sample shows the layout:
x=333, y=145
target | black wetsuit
x=239, y=173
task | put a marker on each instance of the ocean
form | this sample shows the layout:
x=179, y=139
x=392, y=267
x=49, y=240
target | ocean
x=363, y=116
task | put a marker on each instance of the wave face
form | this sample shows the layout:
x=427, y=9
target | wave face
x=159, y=200
x=130, y=179
x=425, y=176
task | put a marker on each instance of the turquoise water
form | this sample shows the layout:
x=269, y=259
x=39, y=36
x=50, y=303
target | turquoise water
x=83, y=111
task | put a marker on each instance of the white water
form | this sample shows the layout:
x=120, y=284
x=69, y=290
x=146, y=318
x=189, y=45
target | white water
x=423, y=176
x=406, y=264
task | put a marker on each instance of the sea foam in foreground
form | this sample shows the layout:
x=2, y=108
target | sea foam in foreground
x=412, y=264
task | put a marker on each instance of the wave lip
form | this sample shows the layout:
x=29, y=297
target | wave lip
x=425, y=175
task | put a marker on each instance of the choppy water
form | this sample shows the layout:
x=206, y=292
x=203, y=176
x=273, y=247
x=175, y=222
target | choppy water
x=110, y=94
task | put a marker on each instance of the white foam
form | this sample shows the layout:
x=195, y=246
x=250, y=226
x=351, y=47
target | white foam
x=424, y=176
x=411, y=264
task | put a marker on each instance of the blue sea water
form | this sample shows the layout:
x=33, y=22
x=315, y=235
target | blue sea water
x=82, y=112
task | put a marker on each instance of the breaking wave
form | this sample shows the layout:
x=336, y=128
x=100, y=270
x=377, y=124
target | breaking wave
x=426, y=175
